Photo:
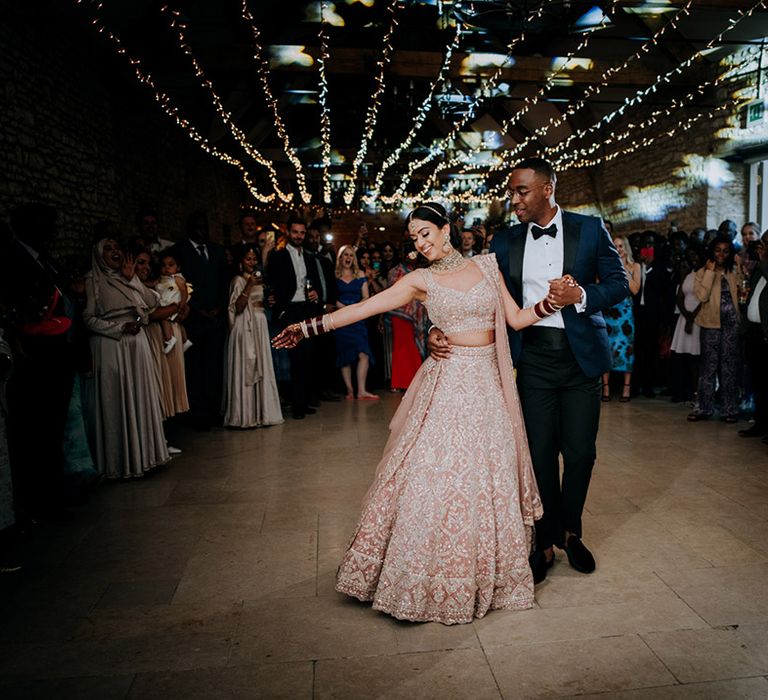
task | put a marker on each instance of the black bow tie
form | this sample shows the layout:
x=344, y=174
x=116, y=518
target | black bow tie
x=538, y=231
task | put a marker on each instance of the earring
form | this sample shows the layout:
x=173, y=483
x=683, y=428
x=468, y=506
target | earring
x=447, y=244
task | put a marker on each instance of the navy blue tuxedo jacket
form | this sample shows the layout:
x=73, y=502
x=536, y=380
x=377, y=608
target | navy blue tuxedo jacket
x=589, y=256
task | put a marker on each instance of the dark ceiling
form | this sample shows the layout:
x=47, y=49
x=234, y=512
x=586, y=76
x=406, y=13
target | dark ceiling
x=222, y=42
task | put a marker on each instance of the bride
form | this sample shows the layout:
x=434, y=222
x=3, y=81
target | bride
x=445, y=529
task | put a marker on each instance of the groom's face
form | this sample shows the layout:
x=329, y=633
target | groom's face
x=531, y=194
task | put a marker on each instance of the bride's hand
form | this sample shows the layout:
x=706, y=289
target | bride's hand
x=438, y=345
x=288, y=338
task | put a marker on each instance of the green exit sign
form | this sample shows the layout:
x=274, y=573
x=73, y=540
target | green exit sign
x=755, y=112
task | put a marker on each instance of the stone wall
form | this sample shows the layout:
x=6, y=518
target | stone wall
x=78, y=133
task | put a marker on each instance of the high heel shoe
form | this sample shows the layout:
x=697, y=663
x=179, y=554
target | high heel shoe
x=606, y=392
x=625, y=393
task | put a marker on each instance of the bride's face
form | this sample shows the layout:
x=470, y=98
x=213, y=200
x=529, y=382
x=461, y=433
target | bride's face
x=429, y=238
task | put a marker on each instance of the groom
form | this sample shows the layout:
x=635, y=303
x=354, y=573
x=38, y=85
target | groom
x=560, y=359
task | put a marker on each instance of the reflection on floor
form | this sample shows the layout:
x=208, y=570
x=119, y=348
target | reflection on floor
x=213, y=578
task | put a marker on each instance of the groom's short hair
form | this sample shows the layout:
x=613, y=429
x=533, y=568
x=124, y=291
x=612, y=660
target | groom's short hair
x=538, y=165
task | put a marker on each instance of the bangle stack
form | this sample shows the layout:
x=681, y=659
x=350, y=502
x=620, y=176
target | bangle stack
x=545, y=308
x=316, y=325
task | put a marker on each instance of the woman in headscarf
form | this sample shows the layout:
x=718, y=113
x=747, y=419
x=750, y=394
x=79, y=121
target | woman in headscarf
x=123, y=397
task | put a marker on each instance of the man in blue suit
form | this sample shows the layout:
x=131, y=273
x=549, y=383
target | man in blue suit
x=560, y=359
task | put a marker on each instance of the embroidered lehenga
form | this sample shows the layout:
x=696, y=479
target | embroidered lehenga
x=445, y=529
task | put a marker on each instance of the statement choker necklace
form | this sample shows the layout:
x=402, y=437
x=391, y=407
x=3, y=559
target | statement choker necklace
x=453, y=261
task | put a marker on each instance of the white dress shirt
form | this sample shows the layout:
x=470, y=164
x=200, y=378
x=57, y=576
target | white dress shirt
x=543, y=261
x=300, y=268
x=753, y=310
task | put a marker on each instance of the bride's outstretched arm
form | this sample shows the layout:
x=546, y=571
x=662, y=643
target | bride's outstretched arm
x=519, y=318
x=404, y=291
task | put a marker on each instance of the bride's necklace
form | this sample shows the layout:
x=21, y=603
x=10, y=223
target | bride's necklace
x=453, y=261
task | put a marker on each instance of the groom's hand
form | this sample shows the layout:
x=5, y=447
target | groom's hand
x=564, y=291
x=438, y=345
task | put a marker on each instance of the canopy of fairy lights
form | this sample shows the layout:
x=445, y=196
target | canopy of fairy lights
x=375, y=104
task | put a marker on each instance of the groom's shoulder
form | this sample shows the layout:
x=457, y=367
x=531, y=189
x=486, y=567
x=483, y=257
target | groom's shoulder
x=587, y=220
x=510, y=231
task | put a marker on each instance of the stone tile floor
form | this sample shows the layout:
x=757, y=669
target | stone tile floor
x=213, y=578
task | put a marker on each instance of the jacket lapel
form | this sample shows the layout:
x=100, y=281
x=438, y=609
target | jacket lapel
x=572, y=235
x=517, y=238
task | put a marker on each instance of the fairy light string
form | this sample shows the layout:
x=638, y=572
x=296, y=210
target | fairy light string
x=262, y=72
x=439, y=147
x=528, y=103
x=590, y=91
x=325, y=113
x=373, y=107
x=179, y=26
x=165, y=103
x=419, y=119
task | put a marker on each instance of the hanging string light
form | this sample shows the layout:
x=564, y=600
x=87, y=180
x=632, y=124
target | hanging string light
x=421, y=115
x=325, y=113
x=179, y=26
x=590, y=91
x=641, y=95
x=661, y=80
x=680, y=126
x=373, y=107
x=262, y=72
x=439, y=147
x=652, y=119
x=162, y=99
x=529, y=102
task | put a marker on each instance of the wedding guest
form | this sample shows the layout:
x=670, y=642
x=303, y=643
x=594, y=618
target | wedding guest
x=172, y=288
x=756, y=341
x=716, y=286
x=41, y=385
x=205, y=268
x=469, y=246
x=323, y=359
x=249, y=229
x=8, y=561
x=294, y=281
x=686, y=347
x=620, y=324
x=122, y=398
x=149, y=231
x=251, y=390
x=169, y=366
x=352, y=341
x=408, y=341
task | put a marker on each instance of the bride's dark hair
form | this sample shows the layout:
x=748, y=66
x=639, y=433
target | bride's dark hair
x=435, y=213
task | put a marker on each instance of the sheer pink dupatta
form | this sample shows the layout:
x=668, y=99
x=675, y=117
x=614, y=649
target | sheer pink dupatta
x=406, y=423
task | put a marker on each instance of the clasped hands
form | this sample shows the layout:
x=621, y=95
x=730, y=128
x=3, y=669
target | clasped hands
x=563, y=291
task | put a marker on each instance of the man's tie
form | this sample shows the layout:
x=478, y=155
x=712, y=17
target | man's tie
x=203, y=252
x=538, y=231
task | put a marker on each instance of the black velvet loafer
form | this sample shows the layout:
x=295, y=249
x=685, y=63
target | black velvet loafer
x=539, y=565
x=579, y=557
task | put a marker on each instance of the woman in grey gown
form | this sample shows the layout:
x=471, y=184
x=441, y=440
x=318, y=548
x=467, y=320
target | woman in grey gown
x=251, y=390
x=122, y=402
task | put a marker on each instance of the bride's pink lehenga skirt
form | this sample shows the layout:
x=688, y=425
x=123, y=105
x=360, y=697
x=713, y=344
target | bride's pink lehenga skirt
x=442, y=536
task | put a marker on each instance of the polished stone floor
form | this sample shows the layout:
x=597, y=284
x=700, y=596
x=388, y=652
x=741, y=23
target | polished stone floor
x=213, y=578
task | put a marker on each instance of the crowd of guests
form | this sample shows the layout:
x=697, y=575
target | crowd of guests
x=696, y=325
x=96, y=357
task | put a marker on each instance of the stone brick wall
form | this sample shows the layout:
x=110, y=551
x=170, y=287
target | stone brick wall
x=77, y=133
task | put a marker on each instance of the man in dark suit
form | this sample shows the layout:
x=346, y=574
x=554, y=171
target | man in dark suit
x=324, y=359
x=559, y=360
x=204, y=266
x=756, y=342
x=294, y=279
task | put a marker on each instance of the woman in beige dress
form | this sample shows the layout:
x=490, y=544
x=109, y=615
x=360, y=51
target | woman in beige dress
x=251, y=390
x=170, y=366
x=122, y=402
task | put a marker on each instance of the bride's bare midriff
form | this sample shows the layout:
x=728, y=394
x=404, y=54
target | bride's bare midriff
x=472, y=338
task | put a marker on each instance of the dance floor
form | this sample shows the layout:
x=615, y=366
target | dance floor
x=213, y=578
